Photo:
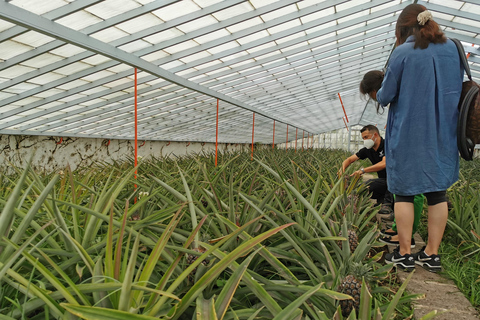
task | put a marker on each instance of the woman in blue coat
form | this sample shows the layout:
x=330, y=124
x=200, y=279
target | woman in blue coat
x=422, y=84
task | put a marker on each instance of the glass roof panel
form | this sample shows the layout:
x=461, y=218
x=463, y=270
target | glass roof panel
x=111, y=8
x=38, y=7
x=79, y=20
x=5, y=25
x=42, y=60
x=10, y=49
x=231, y=12
x=140, y=23
x=212, y=36
x=177, y=10
x=197, y=24
x=46, y=78
x=67, y=50
x=279, y=13
x=33, y=39
x=15, y=71
x=109, y=35
x=21, y=87
x=245, y=24
x=135, y=46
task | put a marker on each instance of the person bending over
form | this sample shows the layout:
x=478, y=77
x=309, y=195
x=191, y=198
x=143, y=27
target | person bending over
x=373, y=150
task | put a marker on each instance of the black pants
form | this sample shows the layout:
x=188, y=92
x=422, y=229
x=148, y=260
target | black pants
x=379, y=190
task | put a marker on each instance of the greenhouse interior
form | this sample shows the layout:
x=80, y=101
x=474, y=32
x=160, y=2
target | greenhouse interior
x=185, y=159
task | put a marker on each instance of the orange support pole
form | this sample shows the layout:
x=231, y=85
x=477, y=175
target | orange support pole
x=273, y=144
x=216, y=138
x=313, y=141
x=136, y=132
x=345, y=123
x=286, y=142
x=308, y=138
x=253, y=133
x=296, y=135
x=343, y=106
x=468, y=54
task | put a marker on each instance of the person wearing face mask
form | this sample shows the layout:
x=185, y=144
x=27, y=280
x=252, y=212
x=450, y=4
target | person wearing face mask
x=373, y=150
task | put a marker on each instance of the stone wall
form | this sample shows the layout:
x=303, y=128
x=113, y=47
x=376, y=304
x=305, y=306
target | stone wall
x=53, y=153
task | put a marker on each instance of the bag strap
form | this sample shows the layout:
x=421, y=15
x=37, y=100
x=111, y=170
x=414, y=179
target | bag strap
x=463, y=57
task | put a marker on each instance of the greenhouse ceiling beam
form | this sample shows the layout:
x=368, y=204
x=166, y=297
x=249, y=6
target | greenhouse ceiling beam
x=297, y=78
x=451, y=24
x=101, y=26
x=53, y=15
x=265, y=26
x=232, y=125
x=78, y=57
x=299, y=55
x=313, y=90
x=450, y=11
x=119, y=102
x=351, y=44
x=208, y=10
x=83, y=99
x=217, y=26
x=27, y=19
x=280, y=35
x=60, y=96
x=287, y=70
x=458, y=26
x=335, y=82
x=118, y=108
x=124, y=17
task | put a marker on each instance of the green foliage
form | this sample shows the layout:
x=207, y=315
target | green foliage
x=244, y=240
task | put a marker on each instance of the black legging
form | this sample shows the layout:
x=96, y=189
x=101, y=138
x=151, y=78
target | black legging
x=379, y=190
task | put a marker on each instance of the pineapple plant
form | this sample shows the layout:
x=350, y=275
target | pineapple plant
x=352, y=285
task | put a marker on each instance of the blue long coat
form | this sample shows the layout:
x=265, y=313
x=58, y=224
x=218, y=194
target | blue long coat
x=423, y=89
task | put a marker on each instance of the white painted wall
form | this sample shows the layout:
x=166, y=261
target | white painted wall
x=49, y=154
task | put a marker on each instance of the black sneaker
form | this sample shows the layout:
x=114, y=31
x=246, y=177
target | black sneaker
x=432, y=263
x=386, y=233
x=385, y=209
x=391, y=242
x=405, y=262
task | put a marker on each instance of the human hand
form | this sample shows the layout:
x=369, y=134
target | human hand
x=357, y=173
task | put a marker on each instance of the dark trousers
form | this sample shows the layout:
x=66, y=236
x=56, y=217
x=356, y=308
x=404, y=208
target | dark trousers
x=379, y=190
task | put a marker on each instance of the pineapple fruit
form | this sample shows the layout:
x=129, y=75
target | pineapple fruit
x=352, y=240
x=352, y=285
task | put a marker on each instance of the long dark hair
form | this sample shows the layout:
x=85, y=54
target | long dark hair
x=407, y=25
x=372, y=81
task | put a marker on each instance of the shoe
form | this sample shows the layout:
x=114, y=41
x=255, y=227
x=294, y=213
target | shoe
x=390, y=242
x=388, y=218
x=385, y=209
x=405, y=262
x=432, y=263
x=386, y=233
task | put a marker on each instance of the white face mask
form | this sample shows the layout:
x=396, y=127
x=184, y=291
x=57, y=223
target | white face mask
x=368, y=143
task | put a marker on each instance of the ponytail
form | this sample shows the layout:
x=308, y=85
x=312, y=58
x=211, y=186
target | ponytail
x=416, y=20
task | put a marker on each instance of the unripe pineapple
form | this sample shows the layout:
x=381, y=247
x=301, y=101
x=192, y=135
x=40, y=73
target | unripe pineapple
x=351, y=200
x=352, y=285
x=191, y=258
x=352, y=240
